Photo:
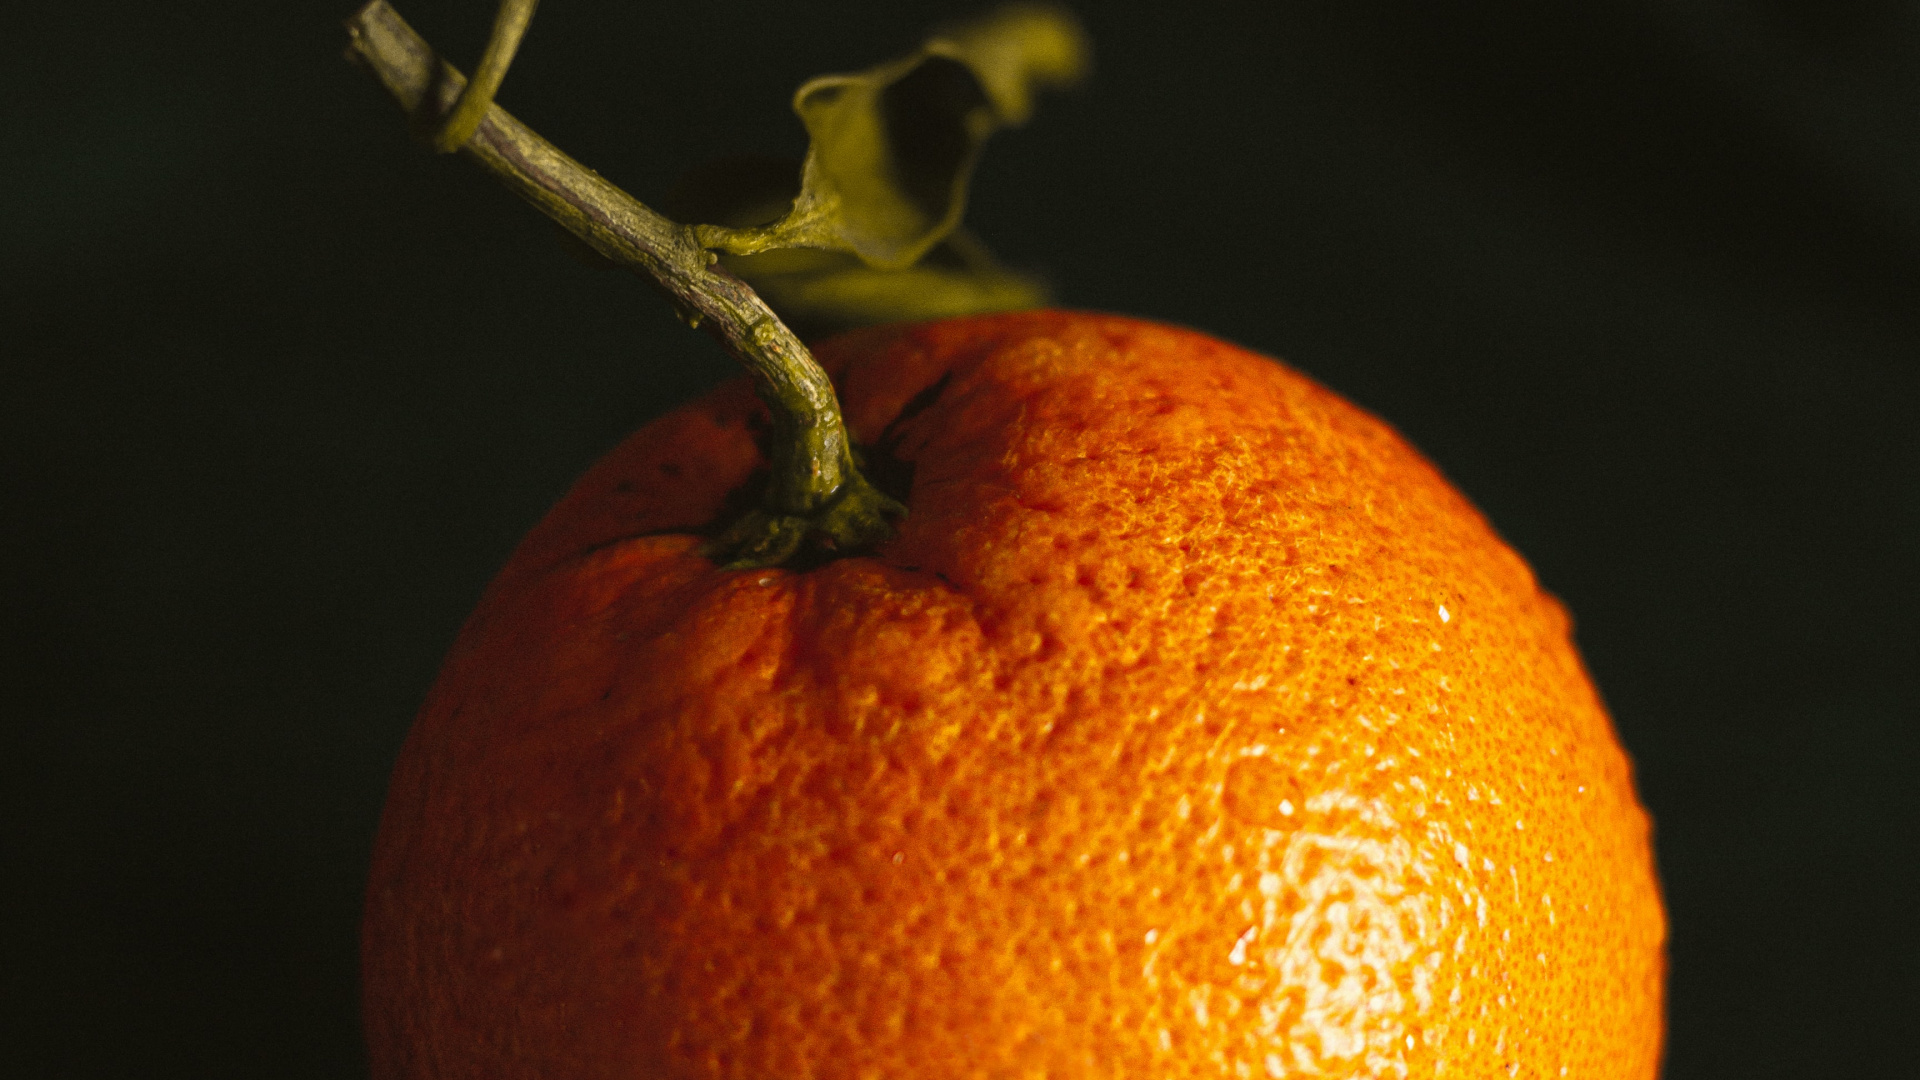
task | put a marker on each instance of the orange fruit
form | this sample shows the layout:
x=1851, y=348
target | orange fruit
x=1192, y=726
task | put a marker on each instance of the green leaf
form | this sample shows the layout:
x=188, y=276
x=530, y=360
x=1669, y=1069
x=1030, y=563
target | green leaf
x=885, y=178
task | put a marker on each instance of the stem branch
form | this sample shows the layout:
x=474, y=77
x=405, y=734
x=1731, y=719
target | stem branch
x=815, y=488
x=509, y=26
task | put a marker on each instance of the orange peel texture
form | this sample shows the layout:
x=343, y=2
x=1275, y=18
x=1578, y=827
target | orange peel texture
x=1192, y=726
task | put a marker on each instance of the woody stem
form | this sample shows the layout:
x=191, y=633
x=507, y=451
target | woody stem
x=815, y=490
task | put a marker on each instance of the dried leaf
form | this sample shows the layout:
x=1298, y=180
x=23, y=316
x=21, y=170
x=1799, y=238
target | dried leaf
x=885, y=176
x=821, y=292
x=835, y=291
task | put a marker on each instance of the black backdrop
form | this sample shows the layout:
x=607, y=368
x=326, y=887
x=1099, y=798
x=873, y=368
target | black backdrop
x=280, y=389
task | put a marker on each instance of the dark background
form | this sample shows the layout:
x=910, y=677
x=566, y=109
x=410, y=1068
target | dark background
x=280, y=389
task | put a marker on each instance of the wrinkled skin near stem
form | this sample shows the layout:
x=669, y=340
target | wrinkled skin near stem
x=815, y=491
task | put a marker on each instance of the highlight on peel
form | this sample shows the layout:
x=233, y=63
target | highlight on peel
x=1191, y=726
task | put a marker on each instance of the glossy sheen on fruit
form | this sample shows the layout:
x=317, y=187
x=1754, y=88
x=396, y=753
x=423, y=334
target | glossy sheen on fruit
x=1192, y=727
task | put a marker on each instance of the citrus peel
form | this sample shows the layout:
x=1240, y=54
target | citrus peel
x=1191, y=725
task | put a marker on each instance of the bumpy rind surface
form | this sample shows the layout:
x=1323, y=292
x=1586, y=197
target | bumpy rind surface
x=1192, y=727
